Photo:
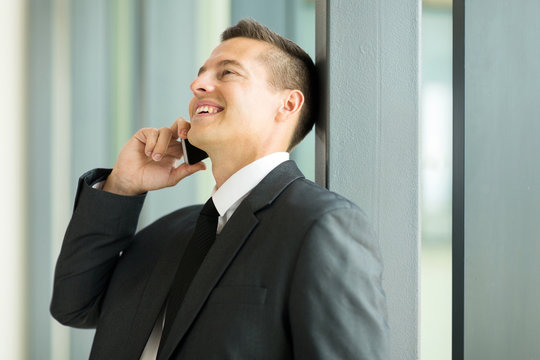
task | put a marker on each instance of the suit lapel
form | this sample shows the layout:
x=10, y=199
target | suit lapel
x=155, y=293
x=228, y=243
x=152, y=301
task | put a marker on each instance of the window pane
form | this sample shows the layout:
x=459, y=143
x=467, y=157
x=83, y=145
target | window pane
x=436, y=167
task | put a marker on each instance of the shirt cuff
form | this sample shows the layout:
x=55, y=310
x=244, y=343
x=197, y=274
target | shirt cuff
x=99, y=185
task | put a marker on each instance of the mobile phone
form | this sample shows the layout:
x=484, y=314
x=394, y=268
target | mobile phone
x=192, y=154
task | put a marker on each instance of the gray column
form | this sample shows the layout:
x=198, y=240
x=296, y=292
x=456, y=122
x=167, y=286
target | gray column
x=367, y=142
x=501, y=180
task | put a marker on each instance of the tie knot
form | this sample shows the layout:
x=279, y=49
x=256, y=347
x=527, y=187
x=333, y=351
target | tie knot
x=209, y=209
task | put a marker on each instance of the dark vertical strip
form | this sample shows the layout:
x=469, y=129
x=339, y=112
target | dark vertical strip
x=321, y=60
x=458, y=187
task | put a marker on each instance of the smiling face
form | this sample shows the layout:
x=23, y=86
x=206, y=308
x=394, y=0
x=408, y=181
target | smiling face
x=234, y=108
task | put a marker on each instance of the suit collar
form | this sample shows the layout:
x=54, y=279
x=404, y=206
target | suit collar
x=239, y=185
x=227, y=245
x=273, y=185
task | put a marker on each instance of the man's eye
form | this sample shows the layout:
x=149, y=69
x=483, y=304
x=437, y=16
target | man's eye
x=226, y=72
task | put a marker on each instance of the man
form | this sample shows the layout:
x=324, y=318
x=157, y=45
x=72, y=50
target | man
x=294, y=271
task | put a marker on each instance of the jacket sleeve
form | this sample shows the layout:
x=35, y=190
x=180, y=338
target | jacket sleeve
x=101, y=227
x=337, y=304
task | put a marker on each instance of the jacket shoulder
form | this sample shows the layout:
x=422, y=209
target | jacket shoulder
x=308, y=197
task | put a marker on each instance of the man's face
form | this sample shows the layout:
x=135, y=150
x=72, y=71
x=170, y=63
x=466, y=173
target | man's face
x=233, y=104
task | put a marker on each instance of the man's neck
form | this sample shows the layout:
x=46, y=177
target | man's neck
x=223, y=167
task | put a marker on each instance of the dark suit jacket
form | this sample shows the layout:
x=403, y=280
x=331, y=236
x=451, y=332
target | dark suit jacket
x=295, y=273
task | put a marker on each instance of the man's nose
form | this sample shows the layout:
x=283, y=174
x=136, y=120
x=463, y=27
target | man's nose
x=202, y=84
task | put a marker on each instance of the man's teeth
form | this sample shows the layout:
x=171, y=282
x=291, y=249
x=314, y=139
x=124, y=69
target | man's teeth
x=206, y=109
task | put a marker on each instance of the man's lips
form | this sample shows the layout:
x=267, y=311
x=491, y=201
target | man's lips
x=207, y=108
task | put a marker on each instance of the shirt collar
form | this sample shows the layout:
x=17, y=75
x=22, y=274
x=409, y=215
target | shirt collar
x=244, y=180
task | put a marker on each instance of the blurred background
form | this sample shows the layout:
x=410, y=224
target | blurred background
x=79, y=77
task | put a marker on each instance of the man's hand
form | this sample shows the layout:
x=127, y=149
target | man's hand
x=147, y=161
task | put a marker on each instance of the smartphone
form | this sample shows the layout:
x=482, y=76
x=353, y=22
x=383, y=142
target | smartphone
x=192, y=154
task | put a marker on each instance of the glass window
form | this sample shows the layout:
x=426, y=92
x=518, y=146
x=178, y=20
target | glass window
x=436, y=180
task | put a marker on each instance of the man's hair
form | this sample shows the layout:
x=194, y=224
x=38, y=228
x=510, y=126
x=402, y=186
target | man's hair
x=290, y=67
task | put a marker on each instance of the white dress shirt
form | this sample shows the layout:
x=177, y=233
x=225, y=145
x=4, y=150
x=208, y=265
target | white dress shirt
x=226, y=198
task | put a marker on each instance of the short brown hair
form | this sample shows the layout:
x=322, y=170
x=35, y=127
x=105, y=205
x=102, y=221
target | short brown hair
x=290, y=68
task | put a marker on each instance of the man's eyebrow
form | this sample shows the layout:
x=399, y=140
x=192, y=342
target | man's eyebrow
x=224, y=63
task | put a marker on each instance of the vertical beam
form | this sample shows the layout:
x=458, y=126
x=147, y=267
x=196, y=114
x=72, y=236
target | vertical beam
x=321, y=60
x=458, y=178
x=370, y=137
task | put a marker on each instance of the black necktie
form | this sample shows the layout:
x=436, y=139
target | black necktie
x=202, y=239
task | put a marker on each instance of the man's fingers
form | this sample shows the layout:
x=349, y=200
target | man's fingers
x=157, y=142
x=148, y=136
x=175, y=149
x=180, y=128
x=162, y=143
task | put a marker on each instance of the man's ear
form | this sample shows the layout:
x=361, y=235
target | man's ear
x=293, y=101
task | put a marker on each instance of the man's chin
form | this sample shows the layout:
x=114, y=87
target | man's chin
x=197, y=140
